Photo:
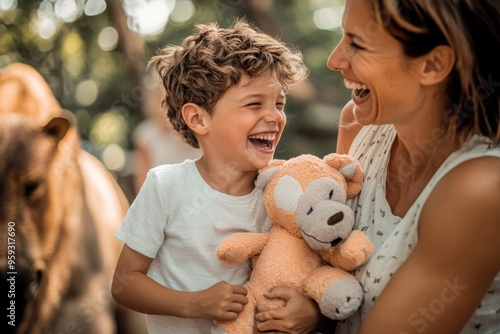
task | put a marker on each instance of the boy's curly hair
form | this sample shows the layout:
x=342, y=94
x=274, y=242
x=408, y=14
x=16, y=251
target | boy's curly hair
x=203, y=68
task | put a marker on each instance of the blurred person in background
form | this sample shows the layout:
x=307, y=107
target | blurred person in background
x=155, y=140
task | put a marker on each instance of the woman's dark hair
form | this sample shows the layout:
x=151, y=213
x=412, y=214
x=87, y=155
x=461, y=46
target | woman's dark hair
x=471, y=29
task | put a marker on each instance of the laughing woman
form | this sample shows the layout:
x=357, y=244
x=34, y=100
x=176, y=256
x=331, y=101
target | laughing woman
x=424, y=123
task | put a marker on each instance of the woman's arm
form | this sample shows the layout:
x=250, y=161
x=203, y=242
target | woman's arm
x=348, y=128
x=133, y=289
x=455, y=261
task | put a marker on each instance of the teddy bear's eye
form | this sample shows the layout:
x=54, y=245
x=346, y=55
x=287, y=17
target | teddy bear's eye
x=330, y=196
x=310, y=211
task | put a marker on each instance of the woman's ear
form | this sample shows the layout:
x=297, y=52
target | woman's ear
x=438, y=64
x=195, y=117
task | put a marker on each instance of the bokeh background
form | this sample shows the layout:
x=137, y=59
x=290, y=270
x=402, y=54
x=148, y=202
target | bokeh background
x=93, y=53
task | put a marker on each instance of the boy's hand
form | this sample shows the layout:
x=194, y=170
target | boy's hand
x=222, y=301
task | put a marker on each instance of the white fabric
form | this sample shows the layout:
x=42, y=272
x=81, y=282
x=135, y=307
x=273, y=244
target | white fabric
x=179, y=220
x=395, y=237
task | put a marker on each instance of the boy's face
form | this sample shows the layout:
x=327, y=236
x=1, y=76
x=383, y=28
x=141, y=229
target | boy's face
x=247, y=123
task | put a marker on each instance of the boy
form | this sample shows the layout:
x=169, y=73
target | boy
x=225, y=93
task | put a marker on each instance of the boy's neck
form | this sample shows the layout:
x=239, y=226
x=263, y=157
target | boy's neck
x=225, y=179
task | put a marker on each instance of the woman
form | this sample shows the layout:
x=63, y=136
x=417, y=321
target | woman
x=424, y=123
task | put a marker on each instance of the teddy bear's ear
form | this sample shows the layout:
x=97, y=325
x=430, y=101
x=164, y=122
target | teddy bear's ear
x=350, y=169
x=266, y=173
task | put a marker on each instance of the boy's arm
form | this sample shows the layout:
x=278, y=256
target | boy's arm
x=133, y=289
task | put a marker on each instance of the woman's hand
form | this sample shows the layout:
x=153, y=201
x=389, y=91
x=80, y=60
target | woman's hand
x=300, y=315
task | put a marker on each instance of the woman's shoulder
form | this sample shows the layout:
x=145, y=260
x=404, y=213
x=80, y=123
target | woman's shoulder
x=473, y=172
x=476, y=180
x=463, y=209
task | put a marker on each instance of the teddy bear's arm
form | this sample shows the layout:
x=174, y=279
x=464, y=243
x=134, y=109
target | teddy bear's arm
x=241, y=246
x=351, y=253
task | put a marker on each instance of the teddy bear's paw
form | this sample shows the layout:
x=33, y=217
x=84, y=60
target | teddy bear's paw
x=358, y=245
x=341, y=298
x=230, y=257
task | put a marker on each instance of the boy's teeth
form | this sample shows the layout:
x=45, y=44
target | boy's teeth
x=263, y=137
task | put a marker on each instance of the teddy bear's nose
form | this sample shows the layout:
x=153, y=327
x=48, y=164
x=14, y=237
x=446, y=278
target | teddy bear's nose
x=336, y=218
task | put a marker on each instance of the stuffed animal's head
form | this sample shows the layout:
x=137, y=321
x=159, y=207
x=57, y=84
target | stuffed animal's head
x=306, y=195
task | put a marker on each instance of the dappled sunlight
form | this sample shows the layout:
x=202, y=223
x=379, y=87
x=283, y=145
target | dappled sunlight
x=148, y=17
x=328, y=18
x=86, y=92
x=108, y=39
x=68, y=10
x=183, y=11
x=8, y=4
x=113, y=157
x=108, y=128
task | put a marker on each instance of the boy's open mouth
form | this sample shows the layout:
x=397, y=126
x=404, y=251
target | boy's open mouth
x=263, y=141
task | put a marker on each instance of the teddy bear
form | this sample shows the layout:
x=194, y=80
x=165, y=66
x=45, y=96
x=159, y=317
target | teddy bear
x=311, y=245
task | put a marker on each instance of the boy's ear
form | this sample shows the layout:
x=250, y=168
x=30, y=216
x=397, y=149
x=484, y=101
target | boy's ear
x=195, y=117
x=437, y=65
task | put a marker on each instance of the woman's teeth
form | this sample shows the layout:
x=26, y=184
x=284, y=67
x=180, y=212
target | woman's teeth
x=353, y=85
x=360, y=90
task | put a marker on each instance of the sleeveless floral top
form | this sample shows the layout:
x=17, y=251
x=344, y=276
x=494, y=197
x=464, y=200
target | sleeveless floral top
x=395, y=237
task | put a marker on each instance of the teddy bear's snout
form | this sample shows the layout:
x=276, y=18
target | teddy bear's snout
x=328, y=225
x=336, y=218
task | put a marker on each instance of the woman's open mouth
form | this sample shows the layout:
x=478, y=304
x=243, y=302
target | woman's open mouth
x=263, y=142
x=359, y=91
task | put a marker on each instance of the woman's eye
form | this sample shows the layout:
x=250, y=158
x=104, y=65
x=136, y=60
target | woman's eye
x=356, y=46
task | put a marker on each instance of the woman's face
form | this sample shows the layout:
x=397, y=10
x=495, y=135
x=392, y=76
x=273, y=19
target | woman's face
x=384, y=81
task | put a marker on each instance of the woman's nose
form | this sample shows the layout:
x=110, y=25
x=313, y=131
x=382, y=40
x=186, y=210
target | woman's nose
x=337, y=60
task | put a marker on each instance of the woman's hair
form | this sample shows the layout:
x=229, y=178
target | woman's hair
x=207, y=64
x=471, y=29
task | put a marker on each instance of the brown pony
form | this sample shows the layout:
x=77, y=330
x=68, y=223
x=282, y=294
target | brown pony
x=59, y=209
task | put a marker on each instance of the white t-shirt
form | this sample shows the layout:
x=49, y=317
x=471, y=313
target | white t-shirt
x=395, y=237
x=178, y=220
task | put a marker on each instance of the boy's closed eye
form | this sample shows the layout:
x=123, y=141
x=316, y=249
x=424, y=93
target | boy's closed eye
x=278, y=105
x=253, y=104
